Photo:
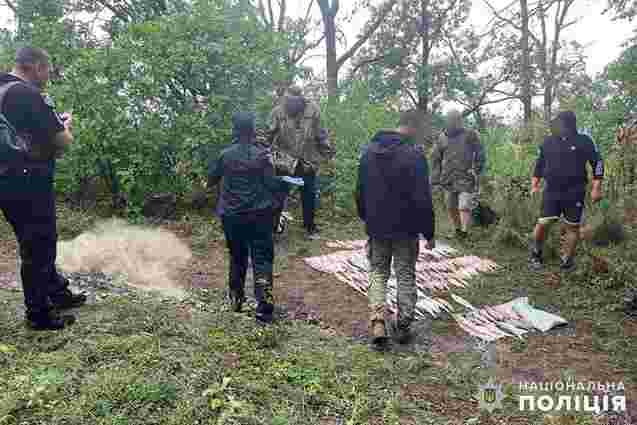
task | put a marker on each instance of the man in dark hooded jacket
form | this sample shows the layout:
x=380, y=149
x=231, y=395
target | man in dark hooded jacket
x=393, y=197
x=562, y=163
x=246, y=205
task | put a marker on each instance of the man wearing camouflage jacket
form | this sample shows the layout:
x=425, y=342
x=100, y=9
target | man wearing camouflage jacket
x=457, y=161
x=295, y=131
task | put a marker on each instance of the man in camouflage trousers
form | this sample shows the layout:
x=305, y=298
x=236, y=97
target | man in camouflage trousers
x=393, y=197
x=457, y=160
x=295, y=131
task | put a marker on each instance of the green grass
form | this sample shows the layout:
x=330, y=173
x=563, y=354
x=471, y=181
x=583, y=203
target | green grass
x=134, y=360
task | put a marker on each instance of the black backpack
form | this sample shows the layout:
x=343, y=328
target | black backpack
x=484, y=216
x=16, y=148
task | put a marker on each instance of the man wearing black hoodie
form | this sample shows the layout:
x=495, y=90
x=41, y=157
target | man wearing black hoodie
x=562, y=163
x=393, y=197
x=27, y=195
x=246, y=205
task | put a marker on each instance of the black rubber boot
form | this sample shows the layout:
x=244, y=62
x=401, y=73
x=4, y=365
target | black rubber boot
x=66, y=300
x=49, y=321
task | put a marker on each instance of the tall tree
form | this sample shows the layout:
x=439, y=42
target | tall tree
x=622, y=9
x=525, y=74
x=416, y=50
x=303, y=33
x=329, y=11
x=29, y=11
x=544, y=49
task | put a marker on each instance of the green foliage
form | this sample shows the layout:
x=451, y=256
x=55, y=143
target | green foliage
x=354, y=121
x=132, y=103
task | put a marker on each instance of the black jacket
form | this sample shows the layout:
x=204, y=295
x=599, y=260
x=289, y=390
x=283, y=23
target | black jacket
x=393, y=194
x=248, y=184
x=562, y=162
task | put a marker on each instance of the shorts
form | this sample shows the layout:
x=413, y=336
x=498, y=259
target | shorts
x=461, y=201
x=571, y=211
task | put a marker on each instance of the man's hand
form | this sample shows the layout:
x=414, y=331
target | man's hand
x=67, y=119
x=596, y=190
x=430, y=244
x=535, y=185
x=596, y=194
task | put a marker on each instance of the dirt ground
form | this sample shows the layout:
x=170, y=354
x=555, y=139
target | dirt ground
x=307, y=294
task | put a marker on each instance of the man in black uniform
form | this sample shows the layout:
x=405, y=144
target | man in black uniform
x=562, y=163
x=246, y=207
x=27, y=196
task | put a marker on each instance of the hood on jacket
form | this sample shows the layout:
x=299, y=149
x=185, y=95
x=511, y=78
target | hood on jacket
x=243, y=123
x=294, y=105
x=386, y=142
x=569, y=121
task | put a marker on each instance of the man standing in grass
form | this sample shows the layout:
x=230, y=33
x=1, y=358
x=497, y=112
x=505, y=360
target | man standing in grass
x=296, y=136
x=457, y=162
x=393, y=196
x=246, y=206
x=562, y=163
x=27, y=192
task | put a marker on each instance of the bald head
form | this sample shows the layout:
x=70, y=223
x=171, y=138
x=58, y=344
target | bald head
x=454, y=120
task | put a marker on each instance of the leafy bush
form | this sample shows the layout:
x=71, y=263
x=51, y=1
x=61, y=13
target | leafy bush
x=354, y=122
x=133, y=103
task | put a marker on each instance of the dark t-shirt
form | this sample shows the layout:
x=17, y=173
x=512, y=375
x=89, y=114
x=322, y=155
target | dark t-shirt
x=562, y=162
x=31, y=112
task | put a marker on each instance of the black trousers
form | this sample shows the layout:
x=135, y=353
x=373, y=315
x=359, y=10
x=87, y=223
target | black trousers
x=308, y=198
x=31, y=213
x=250, y=235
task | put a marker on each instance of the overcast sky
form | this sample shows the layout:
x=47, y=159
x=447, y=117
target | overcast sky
x=602, y=37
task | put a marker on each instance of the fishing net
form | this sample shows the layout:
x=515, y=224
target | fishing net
x=437, y=272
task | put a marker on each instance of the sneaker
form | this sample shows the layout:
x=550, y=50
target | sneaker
x=236, y=304
x=66, y=300
x=536, y=263
x=265, y=313
x=49, y=321
x=313, y=234
x=567, y=264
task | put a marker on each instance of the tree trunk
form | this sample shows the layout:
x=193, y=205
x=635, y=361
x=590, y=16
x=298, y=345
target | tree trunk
x=332, y=62
x=479, y=120
x=328, y=13
x=526, y=63
x=424, y=86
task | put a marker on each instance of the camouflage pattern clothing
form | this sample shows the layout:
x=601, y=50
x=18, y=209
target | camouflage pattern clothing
x=405, y=254
x=295, y=129
x=457, y=158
